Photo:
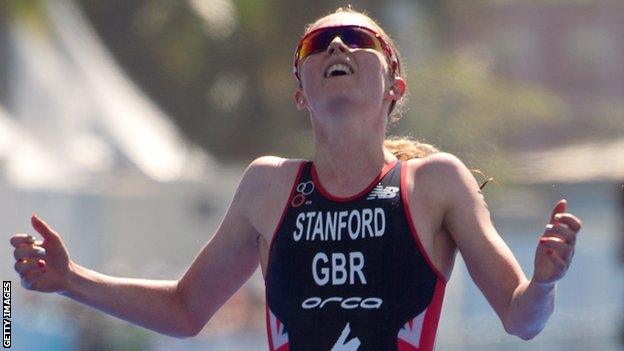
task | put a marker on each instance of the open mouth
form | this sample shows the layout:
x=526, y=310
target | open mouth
x=338, y=70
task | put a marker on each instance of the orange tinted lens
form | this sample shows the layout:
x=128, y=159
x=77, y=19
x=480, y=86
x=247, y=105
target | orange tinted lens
x=354, y=37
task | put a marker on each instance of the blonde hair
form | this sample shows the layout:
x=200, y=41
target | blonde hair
x=406, y=149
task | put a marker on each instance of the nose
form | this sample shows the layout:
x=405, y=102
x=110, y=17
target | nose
x=337, y=45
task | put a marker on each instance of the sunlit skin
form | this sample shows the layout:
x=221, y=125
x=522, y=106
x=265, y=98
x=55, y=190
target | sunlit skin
x=358, y=103
x=348, y=116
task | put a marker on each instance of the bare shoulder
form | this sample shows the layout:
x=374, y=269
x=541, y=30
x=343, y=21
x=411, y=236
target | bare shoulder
x=265, y=188
x=440, y=168
x=270, y=170
x=273, y=165
x=443, y=175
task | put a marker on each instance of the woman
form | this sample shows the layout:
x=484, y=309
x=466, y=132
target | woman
x=357, y=252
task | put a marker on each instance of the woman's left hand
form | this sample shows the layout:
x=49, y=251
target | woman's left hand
x=556, y=246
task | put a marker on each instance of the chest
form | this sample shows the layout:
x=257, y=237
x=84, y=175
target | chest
x=316, y=224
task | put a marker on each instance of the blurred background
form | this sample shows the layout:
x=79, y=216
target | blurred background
x=127, y=125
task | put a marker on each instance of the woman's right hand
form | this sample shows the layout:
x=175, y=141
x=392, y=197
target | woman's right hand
x=43, y=265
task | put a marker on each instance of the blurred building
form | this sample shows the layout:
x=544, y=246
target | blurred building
x=571, y=48
x=574, y=48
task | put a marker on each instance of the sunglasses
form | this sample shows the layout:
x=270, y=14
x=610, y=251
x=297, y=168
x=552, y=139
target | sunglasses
x=355, y=37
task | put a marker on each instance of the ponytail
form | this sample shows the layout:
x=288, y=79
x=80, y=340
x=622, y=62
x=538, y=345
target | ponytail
x=405, y=148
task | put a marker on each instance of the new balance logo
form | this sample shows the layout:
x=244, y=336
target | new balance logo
x=383, y=192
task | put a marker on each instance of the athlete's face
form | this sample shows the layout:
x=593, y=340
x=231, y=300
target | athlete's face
x=342, y=77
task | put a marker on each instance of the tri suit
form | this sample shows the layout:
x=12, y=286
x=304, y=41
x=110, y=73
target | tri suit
x=350, y=273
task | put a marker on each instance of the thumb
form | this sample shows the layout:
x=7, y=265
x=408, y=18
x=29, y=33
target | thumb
x=560, y=207
x=44, y=229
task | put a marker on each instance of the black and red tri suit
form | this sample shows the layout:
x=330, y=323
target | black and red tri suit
x=348, y=274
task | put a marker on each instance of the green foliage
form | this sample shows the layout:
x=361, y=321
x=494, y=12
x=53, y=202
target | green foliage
x=29, y=11
x=22, y=8
x=456, y=104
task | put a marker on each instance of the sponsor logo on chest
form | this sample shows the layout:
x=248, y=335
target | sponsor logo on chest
x=383, y=192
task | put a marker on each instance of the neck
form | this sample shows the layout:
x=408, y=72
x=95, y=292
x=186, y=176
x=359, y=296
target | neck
x=347, y=158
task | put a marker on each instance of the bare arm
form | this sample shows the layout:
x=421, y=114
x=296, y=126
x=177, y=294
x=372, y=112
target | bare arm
x=153, y=304
x=177, y=308
x=523, y=305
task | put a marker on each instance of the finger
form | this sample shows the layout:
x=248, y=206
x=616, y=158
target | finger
x=560, y=207
x=26, y=283
x=562, y=231
x=30, y=280
x=568, y=219
x=559, y=263
x=552, y=239
x=552, y=245
x=557, y=244
x=44, y=229
x=22, y=239
x=28, y=252
x=24, y=266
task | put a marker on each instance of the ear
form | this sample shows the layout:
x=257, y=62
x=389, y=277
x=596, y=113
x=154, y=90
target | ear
x=300, y=100
x=397, y=89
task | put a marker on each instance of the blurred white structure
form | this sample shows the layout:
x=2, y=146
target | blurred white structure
x=68, y=92
x=584, y=163
x=84, y=148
